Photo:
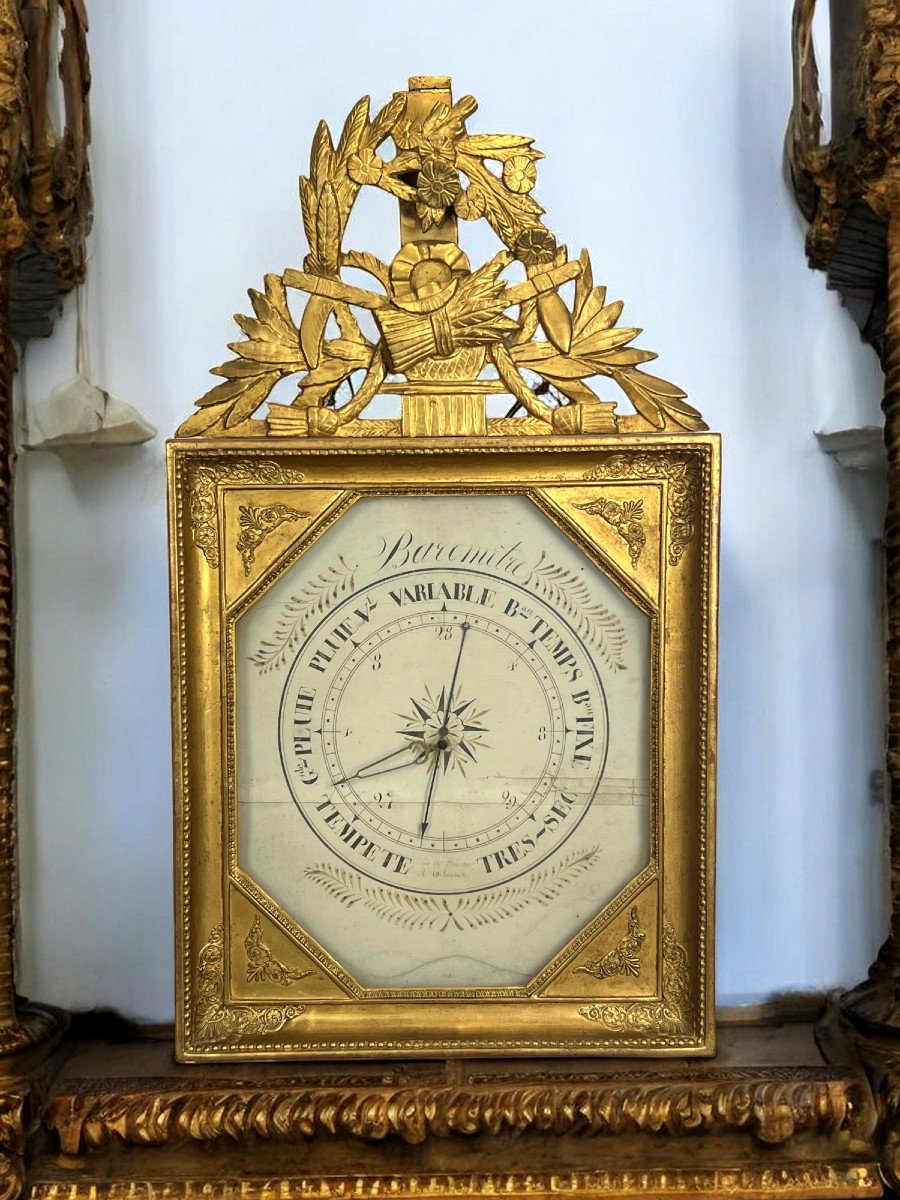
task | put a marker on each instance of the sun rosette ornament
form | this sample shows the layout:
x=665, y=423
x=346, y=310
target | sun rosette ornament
x=436, y=317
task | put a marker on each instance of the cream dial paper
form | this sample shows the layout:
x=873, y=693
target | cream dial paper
x=442, y=741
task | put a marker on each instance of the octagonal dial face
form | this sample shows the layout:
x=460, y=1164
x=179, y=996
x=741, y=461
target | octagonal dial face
x=442, y=745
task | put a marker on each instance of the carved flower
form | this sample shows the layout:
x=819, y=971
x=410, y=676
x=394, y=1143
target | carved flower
x=470, y=205
x=438, y=184
x=535, y=245
x=440, y=147
x=407, y=134
x=365, y=167
x=519, y=173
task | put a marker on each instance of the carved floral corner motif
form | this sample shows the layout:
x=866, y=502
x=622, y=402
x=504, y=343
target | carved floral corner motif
x=672, y=1014
x=263, y=966
x=624, y=958
x=217, y=1021
x=626, y=518
x=204, y=484
x=256, y=525
x=681, y=471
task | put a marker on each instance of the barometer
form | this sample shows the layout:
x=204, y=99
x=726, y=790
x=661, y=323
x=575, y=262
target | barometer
x=443, y=680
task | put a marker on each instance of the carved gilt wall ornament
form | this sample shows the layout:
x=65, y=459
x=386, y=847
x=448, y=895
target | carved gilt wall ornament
x=420, y=711
x=848, y=189
x=45, y=216
x=438, y=320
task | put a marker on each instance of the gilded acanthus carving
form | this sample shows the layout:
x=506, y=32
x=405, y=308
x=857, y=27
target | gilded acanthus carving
x=774, y=1109
x=849, y=190
x=56, y=193
x=13, y=1131
x=454, y=332
x=12, y=235
x=13, y=229
x=856, y=168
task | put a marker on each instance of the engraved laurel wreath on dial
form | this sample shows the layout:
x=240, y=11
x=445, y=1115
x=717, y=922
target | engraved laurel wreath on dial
x=443, y=730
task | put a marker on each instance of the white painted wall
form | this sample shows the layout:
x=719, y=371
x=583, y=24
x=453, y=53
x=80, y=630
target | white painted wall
x=662, y=121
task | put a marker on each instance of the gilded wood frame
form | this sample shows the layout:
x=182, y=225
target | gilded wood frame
x=314, y=1008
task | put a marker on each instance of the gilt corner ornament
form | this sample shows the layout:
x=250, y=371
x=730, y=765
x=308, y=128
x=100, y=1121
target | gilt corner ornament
x=439, y=330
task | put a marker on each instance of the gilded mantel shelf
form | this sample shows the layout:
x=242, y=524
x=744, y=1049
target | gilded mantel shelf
x=769, y=1115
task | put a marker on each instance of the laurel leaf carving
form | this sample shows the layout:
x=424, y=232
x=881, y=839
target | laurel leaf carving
x=321, y=156
x=598, y=347
x=497, y=145
x=271, y=352
x=354, y=127
x=364, y=261
x=328, y=230
x=384, y=122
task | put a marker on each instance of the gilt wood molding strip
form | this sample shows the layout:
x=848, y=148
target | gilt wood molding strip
x=772, y=1104
x=802, y=1180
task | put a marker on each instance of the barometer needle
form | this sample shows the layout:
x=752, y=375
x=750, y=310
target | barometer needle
x=431, y=782
x=442, y=732
x=447, y=702
x=367, y=770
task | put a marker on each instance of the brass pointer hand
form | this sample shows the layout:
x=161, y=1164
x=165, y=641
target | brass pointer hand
x=367, y=771
x=442, y=733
